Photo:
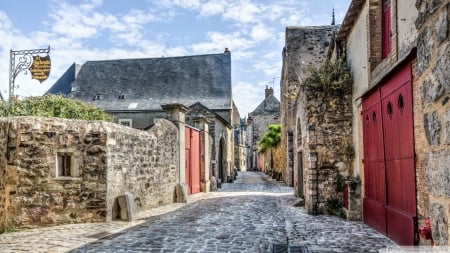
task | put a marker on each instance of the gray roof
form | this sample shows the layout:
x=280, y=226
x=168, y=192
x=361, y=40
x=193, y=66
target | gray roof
x=145, y=84
x=268, y=106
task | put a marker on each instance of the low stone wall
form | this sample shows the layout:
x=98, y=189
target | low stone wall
x=57, y=171
x=142, y=163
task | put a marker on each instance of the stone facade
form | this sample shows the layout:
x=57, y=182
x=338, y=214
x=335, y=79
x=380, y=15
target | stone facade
x=419, y=36
x=324, y=143
x=240, y=139
x=222, y=140
x=432, y=113
x=305, y=47
x=60, y=171
x=265, y=114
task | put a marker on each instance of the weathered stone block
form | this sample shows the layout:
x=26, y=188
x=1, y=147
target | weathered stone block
x=180, y=193
x=447, y=128
x=431, y=91
x=432, y=127
x=440, y=72
x=437, y=172
x=442, y=26
x=127, y=207
x=439, y=224
x=424, y=54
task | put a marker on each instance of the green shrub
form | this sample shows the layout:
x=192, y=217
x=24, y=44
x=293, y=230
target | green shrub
x=330, y=77
x=335, y=206
x=53, y=106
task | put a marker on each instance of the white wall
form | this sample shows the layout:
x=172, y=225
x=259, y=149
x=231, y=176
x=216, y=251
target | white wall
x=357, y=61
x=407, y=33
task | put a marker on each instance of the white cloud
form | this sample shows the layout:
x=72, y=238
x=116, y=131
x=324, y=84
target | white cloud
x=187, y=4
x=247, y=96
x=243, y=12
x=261, y=32
x=212, y=8
x=219, y=41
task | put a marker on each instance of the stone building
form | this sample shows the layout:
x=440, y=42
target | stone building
x=379, y=40
x=398, y=54
x=240, y=147
x=431, y=89
x=57, y=171
x=132, y=90
x=266, y=113
x=308, y=119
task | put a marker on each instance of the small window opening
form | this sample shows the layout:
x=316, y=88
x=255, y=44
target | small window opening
x=389, y=109
x=401, y=103
x=64, y=165
x=122, y=96
x=97, y=96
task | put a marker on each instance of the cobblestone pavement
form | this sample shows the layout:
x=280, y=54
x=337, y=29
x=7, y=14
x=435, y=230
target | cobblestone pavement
x=245, y=216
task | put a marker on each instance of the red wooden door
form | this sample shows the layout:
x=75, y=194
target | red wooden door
x=192, y=156
x=374, y=201
x=195, y=161
x=389, y=172
x=396, y=101
x=187, y=157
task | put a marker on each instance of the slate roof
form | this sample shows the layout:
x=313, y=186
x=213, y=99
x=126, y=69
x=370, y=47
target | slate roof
x=268, y=106
x=145, y=84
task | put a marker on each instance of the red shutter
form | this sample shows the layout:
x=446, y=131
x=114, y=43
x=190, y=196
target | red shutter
x=386, y=28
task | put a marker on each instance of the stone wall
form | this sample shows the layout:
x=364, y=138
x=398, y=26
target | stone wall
x=326, y=145
x=433, y=123
x=304, y=47
x=61, y=171
x=142, y=163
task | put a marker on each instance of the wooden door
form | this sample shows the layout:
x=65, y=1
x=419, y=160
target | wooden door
x=396, y=101
x=389, y=170
x=192, y=156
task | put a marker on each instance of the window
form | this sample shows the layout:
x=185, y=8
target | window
x=122, y=96
x=386, y=29
x=125, y=122
x=64, y=166
x=97, y=97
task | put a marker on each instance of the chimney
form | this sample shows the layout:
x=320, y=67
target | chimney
x=249, y=120
x=227, y=50
x=268, y=91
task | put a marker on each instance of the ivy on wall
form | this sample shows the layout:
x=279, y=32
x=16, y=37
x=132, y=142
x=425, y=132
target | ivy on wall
x=53, y=106
x=331, y=77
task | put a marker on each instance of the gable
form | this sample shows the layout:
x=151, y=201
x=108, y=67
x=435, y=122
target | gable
x=270, y=105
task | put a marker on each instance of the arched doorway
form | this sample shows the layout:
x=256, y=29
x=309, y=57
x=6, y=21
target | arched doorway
x=221, y=160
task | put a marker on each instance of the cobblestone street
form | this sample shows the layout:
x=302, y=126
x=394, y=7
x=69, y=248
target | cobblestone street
x=245, y=216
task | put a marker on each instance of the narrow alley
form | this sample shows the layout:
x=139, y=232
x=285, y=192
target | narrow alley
x=245, y=216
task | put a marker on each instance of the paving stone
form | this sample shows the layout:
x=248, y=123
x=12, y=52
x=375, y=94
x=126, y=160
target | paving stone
x=245, y=216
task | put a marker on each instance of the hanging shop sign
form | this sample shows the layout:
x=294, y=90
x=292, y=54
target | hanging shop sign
x=40, y=69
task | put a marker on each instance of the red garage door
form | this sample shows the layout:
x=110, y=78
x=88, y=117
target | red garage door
x=192, y=155
x=389, y=173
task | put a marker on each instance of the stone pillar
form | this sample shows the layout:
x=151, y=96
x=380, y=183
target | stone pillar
x=354, y=211
x=201, y=123
x=177, y=114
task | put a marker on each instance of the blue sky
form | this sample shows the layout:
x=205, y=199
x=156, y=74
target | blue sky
x=82, y=30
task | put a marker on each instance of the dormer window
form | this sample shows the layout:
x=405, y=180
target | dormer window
x=97, y=96
x=122, y=96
